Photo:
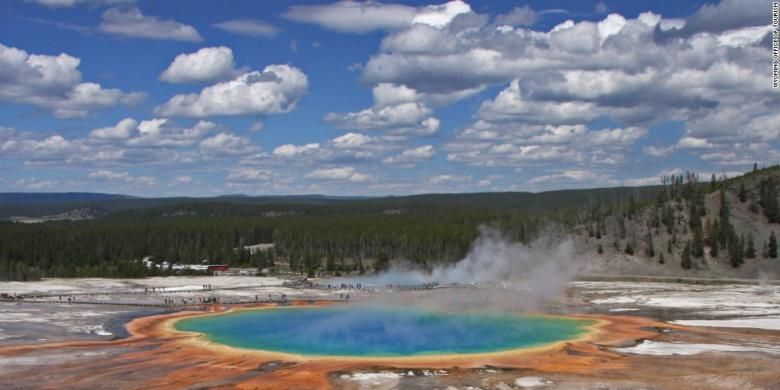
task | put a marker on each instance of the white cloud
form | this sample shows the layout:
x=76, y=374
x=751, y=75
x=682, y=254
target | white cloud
x=249, y=175
x=362, y=17
x=32, y=183
x=158, y=132
x=351, y=140
x=122, y=177
x=54, y=83
x=274, y=90
x=575, y=175
x=518, y=16
x=625, y=136
x=397, y=109
x=248, y=27
x=449, y=179
x=226, y=144
x=339, y=174
x=440, y=15
x=290, y=150
x=206, y=65
x=184, y=180
x=131, y=22
x=410, y=157
x=352, y=16
x=693, y=143
x=73, y=3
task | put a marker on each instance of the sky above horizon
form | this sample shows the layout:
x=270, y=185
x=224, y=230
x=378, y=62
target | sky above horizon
x=200, y=98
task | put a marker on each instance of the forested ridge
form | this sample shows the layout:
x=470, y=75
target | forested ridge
x=352, y=235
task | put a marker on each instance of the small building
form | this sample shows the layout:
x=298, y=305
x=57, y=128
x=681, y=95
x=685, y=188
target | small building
x=237, y=272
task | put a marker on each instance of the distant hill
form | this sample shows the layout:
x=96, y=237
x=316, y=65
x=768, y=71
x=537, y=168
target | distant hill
x=48, y=204
x=57, y=197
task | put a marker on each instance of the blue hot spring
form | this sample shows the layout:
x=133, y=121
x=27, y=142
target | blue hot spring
x=357, y=330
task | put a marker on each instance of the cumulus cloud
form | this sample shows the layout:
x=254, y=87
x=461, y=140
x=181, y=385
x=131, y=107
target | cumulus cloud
x=158, y=141
x=226, y=144
x=248, y=27
x=131, y=22
x=158, y=132
x=54, y=83
x=449, y=179
x=32, y=183
x=274, y=90
x=397, y=109
x=73, y=3
x=411, y=157
x=362, y=17
x=723, y=16
x=208, y=64
x=249, y=175
x=518, y=16
x=290, y=150
x=122, y=177
x=578, y=175
x=339, y=174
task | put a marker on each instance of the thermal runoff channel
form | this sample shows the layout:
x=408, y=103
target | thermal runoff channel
x=362, y=330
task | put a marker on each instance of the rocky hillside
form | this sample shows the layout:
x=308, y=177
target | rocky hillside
x=716, y=227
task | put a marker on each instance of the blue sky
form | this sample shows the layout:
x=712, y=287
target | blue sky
x=199, y=98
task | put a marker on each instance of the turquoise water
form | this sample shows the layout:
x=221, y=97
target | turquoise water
x=379, y=331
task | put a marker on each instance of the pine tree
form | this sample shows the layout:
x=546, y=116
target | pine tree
x=686, y=256
x=772, y=245
x=661, y=258
x=736, y=252
x=697, y=247
x=629, y=249
x=650, y=246
x=742, y=192
x=750, y=250
x=600, y=250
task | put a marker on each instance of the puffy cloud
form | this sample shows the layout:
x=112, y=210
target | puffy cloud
x=449, y=179
x=410, y=157
x=54, y=83
x=511, y=105
x=613, y=67
x=397, y=109
x=73, y=3
x=226, y=144
x=205, y=65
x=351, y=140
x=159, y=132
x=32, y=183
x=158, y=141
x=726, y=15
x=120, y=132
x=518, y=16
x=362, y=17
x=440, y=15
x=575, y=175
x=248, y=27
x=274, y=90
x=249, y=175
x=352, y=16
x=122, y=177
x=290, y=150
x=339, y=174
x=693, y=143
x=131, y=22
x=626, y=136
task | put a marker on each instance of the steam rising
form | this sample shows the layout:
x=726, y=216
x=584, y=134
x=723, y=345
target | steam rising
x=508, y=276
